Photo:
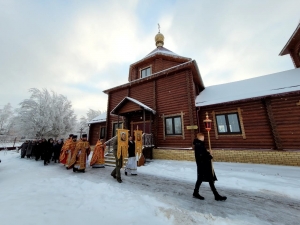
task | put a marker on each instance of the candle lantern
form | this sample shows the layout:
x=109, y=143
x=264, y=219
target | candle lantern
x=207, y=125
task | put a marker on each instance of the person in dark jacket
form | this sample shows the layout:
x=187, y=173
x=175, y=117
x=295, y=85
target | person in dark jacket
x=131, y=166
x=38, y=150
x=57, y=149
x=48, y=151
x=33, y=148
x=205, y=170
x=23, y=148
x=29, y=149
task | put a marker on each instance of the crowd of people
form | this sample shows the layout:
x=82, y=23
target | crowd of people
x=74, y=154
x=42, y=149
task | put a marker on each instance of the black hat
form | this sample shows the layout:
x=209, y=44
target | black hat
x=84, y=135
x=71, y=135
x=74, y=136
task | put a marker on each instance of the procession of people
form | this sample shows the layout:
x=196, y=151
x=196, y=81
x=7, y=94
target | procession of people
x=74, y=154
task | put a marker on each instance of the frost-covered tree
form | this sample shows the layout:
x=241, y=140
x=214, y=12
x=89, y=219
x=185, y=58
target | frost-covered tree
x=6, y=115
x=83, y=121
x=46, y=114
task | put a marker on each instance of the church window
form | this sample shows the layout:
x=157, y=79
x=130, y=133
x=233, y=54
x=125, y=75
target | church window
x=115, y=127
x=146, y=72
x=102, y=132
x=173, y=125
x=228, y=123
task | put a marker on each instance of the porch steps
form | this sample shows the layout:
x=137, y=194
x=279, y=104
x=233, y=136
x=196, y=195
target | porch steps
x=111, y=161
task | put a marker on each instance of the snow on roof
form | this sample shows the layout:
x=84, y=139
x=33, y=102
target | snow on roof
x=136, y=102
x=272, y=84
x=99, y=119
x=162, y=50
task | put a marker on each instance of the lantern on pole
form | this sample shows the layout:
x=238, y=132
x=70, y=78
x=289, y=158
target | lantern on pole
x=207, y=125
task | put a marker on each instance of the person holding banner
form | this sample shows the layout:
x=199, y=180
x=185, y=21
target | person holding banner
x=131, y=166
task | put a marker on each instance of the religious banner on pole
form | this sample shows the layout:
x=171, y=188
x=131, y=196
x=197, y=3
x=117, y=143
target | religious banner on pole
x=122, y=143
x=138, y=141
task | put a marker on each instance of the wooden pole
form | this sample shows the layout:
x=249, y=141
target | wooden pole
x=209, y=143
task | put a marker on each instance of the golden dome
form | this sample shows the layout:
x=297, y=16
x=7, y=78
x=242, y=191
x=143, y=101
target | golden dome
x=159, y=39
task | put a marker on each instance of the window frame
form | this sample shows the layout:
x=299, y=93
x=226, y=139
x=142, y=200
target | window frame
x=102, y=130
x=241, y=123
x=173, y=125
x=145, y=68
x=228, y=124
x=114, y=131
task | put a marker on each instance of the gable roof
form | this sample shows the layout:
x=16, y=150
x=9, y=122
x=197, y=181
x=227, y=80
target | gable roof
x=190, y=64
x=98, y=119
x=292, y=41
x=273, y=84
x=162, y=51
x=147, y=108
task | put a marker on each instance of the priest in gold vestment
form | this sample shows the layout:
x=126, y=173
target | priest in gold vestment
x=71, y=150
x=80, y=156
x=97, y=160
x=64, y=150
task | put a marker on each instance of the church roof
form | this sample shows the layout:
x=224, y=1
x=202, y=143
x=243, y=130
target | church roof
x=293, y=39
x=147, y=108
x=272, y=84
x=162, y=50
x=98, y=119
x=189, y=64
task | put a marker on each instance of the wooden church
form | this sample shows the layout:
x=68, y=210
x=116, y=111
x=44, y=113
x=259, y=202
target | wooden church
x=159, y=98
x=255, y=120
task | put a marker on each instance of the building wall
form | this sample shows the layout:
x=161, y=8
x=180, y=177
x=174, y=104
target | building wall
x=286, y=113
x=156, y=65
x=288, y=158
x=94, y=132
x=175, y=95
x=113, y=100
x=259, y=132
x=295, y=55
x=168, y=95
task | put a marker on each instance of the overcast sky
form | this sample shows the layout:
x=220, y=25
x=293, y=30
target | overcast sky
x=80, y=48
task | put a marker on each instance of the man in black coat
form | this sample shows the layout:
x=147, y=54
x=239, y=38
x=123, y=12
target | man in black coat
x=38, y=150
x=23, y=148
x=205, y=170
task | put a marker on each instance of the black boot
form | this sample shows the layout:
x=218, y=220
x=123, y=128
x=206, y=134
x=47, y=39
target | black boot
x=219, y=197
x=216, y=194
x=197, y=195
x=74, y=169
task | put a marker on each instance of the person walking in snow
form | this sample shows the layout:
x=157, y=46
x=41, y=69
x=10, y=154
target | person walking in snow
x=23, y=148
x=205, y=170
x=131, y=166
x=57, y=149
x=116, y=173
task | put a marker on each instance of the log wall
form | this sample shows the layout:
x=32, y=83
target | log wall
x=94, y=132
x=262, y=129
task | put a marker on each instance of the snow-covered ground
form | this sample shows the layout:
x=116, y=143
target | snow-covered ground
x=32, y=193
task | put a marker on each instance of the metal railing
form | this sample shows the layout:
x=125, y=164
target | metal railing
x=109, y=145
x=148, y=140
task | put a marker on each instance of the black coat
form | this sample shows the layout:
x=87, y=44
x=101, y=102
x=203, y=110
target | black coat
x=23, y=148
x=57, y=149
x=203, y=158
x=131, y=149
